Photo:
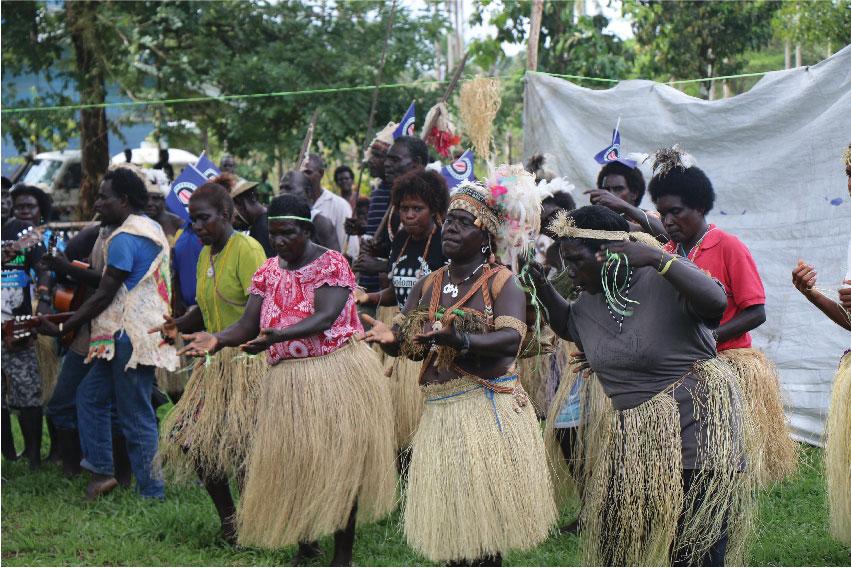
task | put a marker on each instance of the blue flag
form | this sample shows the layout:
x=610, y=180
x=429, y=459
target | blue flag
x=406, y=127
x=459, y=171
x=182, y=188
x=612, y=152
x=206, y=166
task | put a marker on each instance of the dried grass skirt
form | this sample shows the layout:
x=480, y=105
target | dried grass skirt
x=635, y=511
x=478, y=482
x=406, y=397
x=47, y=356
x=213, y=422
x=837, y=455
x=324, y=438
x=774, y=455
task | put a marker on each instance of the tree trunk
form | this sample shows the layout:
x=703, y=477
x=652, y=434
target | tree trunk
x=94, y=142
x=798, y=57
x=534, y=35
x=787, y=54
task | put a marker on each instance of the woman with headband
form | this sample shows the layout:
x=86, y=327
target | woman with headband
x=478, y=484
x=668, y=483
x=322, y=448
x=207, y=432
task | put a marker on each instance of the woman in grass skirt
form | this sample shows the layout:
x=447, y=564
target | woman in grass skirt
x=207, y=432
x=322, y=449
x=478, y=483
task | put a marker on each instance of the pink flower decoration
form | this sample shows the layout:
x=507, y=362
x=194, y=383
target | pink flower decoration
x=498, y=190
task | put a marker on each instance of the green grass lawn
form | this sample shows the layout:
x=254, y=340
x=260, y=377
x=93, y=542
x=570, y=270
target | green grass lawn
x=46, y=522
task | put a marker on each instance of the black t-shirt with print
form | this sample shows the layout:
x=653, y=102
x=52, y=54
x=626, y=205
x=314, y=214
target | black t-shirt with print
x=407, y=263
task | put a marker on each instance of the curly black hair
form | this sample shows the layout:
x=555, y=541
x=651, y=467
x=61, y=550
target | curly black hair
x=427, y=185
x=126, y=182
x=598, y=218
x=633, y=176
x=44, y=200
x=691, y=184
x=291, y=204
x=341, y=169
x=562, y=200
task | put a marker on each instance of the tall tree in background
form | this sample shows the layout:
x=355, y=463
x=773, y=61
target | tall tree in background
x=685, y=40
x=825, y=24
x=81, y=21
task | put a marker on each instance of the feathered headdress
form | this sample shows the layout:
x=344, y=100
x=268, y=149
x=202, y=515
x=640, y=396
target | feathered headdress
x=666, y=159
x=508, y=205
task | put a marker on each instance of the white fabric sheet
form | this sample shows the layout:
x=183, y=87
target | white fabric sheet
x=774, y=157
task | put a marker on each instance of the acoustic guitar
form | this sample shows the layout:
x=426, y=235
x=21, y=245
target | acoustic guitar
x=22, y=327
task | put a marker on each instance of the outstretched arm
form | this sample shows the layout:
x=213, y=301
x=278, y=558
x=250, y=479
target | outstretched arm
x=804, y=279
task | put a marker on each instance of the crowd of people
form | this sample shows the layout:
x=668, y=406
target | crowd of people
x=324, y=349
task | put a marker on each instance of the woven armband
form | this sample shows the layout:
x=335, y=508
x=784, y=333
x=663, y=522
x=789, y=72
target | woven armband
x=502, y=322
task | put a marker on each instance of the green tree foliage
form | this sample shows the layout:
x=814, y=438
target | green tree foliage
x=687, y=40
x=154, y=50
x=814, y=23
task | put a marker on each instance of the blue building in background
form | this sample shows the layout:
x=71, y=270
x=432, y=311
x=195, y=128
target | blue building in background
x=134, y=127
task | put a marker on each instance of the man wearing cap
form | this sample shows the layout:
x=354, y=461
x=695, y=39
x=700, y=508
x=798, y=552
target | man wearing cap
x=250, y=215
x=331, y=206
x=157, y=185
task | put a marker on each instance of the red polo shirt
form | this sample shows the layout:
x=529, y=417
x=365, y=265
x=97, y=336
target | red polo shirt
x=727, y=258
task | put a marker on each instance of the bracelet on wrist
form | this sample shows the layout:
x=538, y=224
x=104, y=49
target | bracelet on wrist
x=668, y=266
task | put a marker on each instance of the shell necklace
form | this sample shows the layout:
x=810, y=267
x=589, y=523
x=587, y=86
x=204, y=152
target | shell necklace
x=452, y=289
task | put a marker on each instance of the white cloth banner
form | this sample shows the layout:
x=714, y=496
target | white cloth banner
x=773, y=155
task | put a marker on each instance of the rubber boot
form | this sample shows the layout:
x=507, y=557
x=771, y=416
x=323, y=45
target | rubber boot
x=344, y=541
x=121, y=460
x=70, y=452
x=54, y=456
x=7, y=439
x=31, y=426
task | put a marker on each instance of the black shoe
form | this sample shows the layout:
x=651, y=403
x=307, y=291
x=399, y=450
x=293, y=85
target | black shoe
x=31, y=427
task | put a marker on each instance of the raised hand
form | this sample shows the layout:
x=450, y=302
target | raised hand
x=608, y=200
x=379, y=332
x=845, y=295
x=804, y=278
x=637, y=254
x=168, y=330
x=200, y=344
x=268, y=337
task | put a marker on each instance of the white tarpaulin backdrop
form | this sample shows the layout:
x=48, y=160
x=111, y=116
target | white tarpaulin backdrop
x=773, y=155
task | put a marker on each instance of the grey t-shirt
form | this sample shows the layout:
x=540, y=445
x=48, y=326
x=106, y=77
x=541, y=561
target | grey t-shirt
x=657, y=346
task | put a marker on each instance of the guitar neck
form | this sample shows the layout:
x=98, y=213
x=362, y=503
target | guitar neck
x=57, y=318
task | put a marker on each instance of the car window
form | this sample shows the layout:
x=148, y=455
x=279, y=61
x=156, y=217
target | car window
x=41, y=171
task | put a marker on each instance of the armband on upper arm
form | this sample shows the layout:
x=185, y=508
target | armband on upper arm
x=502, y=322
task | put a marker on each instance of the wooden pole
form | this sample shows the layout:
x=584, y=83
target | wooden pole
x=534, y=35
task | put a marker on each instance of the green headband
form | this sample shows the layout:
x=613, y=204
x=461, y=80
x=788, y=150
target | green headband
x=290, y=218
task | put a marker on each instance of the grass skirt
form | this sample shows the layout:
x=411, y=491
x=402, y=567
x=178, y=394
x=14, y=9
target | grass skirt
x=837, y=455
x=534, y=373
x=47, y=356
x=324, y=439
x=478, y=482
x=774, y=455
x=570, y=478
x=634, y=496
x=213, y=422
x=407, y=398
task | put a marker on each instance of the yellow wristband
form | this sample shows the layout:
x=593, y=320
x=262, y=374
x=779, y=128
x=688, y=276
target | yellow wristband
x=668, y=266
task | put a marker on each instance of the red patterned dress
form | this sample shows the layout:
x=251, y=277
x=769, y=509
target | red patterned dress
x=288, y=298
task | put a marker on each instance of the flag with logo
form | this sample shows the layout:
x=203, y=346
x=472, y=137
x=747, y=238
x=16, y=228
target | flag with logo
x=459, y=171
x=182, y=189
x=406, y=127
x=206, y=166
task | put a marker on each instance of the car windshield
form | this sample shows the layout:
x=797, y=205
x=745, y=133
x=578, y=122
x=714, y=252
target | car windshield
x=41, y=171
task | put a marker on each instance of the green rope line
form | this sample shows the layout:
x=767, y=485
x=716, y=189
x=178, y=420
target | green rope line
x=332, y=90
